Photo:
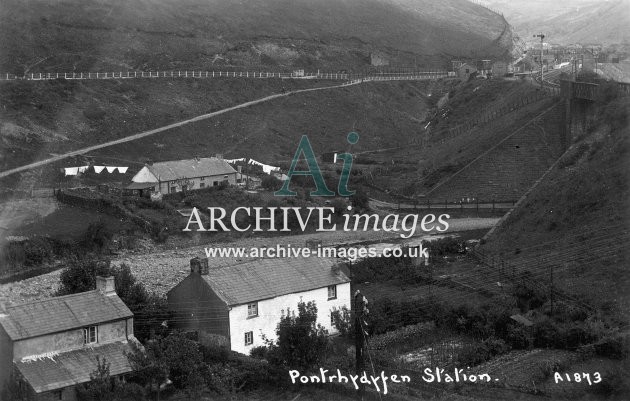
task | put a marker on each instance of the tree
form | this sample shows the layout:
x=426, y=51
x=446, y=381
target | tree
x=271, y=183
x=102, y=387
x=80, y=275
x=360, y=200
x=97, y=236
x=300, y=342
x=148, y=364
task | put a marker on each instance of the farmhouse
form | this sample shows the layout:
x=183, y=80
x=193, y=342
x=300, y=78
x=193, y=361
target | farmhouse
x=181, y=175
x=50, y=346
x=243, y=300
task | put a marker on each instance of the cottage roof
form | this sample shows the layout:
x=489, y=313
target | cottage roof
x=53, y=372
x=255, y=280
x=63, y=313
x=202, y=167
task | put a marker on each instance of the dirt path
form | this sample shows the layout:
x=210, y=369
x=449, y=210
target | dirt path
x=165, y=128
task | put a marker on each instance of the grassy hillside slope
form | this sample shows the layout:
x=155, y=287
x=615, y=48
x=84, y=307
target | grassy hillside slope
x=576, y=220
x=567, y=22
x=81, y=35
x=44, y=118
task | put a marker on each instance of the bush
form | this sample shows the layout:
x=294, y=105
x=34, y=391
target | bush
x=301, y=342
x=259, y=352
x=80, y=275
x=382, y=341
x=614, y=347
x=517, y=337
x=271, y=183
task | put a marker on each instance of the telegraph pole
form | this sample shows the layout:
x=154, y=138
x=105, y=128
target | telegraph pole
x=359, y=306
x=551, y=287
x=541, y=36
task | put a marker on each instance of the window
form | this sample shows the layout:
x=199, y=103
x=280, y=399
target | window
x=90, y=335
x=202, y=178
x=249, y=338
x=215, y=183
x=332, y=319
x=252, y=309
x=173, y=190
x=58, y=395
x=202, y=185
x=332, y=291
x=184, y=188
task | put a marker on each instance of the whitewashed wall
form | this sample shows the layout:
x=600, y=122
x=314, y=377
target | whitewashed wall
x=270, y=311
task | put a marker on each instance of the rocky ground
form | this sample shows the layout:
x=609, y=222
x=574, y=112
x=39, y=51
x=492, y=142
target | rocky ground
x=160, y=268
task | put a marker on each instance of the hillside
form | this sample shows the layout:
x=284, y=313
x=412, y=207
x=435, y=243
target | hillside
x=46, y=118
x=568, y=22
x=575, y=221
x=82, y=35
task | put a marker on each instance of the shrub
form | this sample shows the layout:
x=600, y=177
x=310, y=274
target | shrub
x=271, y=183
x=517, y=337
x=615, y=347
x=342, y=320
x=80, y=275
x=259, y=352
x=382, y=341
x=300, y=342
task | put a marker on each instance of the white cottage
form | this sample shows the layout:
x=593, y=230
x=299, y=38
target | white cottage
x=244, y=300
x=180, y=175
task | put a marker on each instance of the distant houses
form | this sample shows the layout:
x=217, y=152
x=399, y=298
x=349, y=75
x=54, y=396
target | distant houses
x=52, y=345
x=241, y=301
x=181, y=175
x=465, y=70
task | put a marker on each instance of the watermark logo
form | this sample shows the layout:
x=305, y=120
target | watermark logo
x=304, y=148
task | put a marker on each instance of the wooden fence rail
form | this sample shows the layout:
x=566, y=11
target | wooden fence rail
x=222, y=74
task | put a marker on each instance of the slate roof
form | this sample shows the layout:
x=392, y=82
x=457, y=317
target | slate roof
x=260, y=279
x=62, y=313
x=73, y=367
x=202, y=167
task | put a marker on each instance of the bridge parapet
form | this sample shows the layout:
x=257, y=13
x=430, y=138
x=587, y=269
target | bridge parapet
x=578, y=90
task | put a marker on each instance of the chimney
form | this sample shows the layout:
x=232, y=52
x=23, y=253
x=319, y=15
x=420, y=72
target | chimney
x=106, y=285
x=343, y=268
x=312, y=244
x=219, y=156
x=419, y=260
x=199, y=266
x=239, y=168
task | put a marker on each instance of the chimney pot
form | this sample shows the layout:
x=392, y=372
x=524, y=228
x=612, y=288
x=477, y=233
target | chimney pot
x=106, y=285
x=199, y=266
x=312, y=244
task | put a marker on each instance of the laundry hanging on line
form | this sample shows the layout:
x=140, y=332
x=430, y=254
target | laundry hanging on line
x=98, y=169
x=71, y=171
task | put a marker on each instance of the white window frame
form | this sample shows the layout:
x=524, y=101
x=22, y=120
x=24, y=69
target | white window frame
x=250, y=307
x=87, y=335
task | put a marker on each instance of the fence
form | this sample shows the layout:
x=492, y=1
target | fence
x=514, y=272
x=222, y=74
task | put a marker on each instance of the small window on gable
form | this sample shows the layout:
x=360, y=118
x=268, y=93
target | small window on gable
x=90, y=335
x=202, y=178
x=332, y=291
x=249, y=338
x=252, y=309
